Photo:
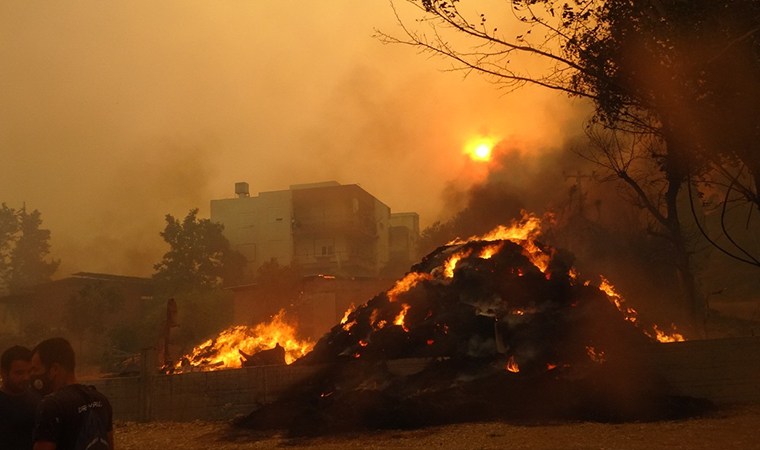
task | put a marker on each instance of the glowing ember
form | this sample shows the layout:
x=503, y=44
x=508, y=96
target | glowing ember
x=400, y=318
x=594, y=355
x=551, y=366
x=512, y=365
x=409, y=281
x=374, y=316
x=349, y=325
x=222, y=352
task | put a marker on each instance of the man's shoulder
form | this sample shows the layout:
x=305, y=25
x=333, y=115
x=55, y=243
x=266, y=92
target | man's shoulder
x=94, y=392
x=19, y=399
x=65, y=396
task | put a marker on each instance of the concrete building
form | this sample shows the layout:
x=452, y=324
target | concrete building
x=326, y=228
x=404, y=237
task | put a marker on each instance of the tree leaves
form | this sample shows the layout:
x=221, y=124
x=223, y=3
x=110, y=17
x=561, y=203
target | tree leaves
x=23, y=249
x=199, y=256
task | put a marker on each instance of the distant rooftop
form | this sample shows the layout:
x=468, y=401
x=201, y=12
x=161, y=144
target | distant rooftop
x=294, y=187
x=109, y=277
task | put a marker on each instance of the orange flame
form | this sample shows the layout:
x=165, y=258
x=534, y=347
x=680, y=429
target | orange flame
x=222, y=352
x=349, y=325
x=403, y=285
x=630, y=315
x=347, y=313
x=490, y=250
x=672, y=336
x=512, y=365
x=524, y=233
x=451, y=263
x=400, y=318
x=528, y=228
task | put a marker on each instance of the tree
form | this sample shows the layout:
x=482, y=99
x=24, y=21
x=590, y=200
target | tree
x=199, y=258
x=627, y=158
x=8, y=230
x=23, y=249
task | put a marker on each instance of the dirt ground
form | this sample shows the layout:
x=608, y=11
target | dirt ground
x=734, y=428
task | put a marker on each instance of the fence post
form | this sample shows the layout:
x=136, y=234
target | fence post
x=148, y=365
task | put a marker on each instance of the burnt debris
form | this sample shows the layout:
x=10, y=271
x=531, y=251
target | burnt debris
x=272, y=357
x=507, y=332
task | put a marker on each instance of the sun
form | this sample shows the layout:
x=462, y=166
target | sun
x=480, y=150
x=483, y=151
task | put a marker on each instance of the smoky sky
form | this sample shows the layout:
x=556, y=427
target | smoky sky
x=113, y=114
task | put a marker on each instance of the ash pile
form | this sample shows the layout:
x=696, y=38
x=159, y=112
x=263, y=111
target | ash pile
x=504, y=331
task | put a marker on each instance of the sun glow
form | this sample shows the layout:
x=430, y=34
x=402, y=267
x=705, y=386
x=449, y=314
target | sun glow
x=480, y=150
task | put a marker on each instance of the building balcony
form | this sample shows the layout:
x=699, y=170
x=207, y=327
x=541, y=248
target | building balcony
x=347, y=226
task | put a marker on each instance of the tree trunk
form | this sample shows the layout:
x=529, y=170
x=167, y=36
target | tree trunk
x=691, y=298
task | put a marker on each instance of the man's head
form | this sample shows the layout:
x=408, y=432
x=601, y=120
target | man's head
x=53, y=365
x=15, y=369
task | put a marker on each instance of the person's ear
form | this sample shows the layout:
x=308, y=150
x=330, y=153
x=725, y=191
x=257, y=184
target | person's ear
x=54, y=371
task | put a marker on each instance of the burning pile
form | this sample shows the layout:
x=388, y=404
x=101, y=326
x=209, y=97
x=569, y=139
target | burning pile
x=510, y=332
x=501, y=294
x=269, y=343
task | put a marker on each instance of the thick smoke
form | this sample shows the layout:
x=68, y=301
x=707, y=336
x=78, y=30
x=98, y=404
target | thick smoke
x=108, y=125
x=607, y=234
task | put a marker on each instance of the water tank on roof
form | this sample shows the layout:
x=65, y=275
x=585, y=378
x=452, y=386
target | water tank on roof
x=241, y=190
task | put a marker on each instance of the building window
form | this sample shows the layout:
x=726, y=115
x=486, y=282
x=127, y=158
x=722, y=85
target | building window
x=327, y=250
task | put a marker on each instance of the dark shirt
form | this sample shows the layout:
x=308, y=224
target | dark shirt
x=17, y=420
x=62, y=414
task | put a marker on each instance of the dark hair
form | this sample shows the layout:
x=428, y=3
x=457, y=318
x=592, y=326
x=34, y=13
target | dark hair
x=56, y=350
x=15, y=353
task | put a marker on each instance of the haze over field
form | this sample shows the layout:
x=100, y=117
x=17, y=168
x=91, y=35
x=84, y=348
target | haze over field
x=113, y=114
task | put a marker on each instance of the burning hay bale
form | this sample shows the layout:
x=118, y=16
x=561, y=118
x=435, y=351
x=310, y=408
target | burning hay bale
x=509, y=332
x=271, y=357
x=271, y=343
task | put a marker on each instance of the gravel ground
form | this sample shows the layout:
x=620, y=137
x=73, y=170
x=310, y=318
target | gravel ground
x=736, y=428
